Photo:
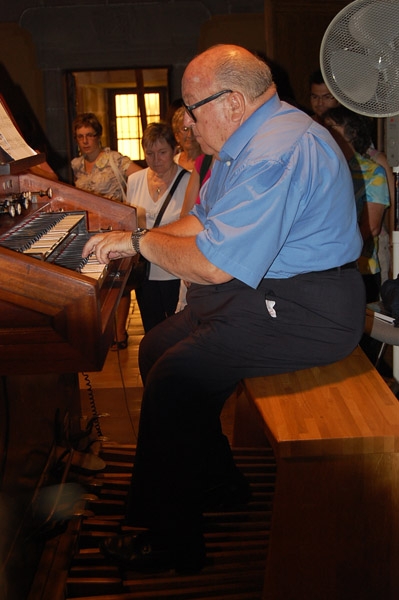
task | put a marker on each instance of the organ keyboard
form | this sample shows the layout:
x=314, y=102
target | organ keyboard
x=58, y=238
x=56, y=309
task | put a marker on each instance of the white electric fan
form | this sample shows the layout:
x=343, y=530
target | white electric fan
x=359, y=60
x=359, y=57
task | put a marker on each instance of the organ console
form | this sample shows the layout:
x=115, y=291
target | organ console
x=56, y=320
x=56, y=312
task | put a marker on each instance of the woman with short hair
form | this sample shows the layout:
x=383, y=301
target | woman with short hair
x=147, y=190
x=99, y=170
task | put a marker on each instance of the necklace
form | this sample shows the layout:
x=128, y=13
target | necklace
x=159, y=189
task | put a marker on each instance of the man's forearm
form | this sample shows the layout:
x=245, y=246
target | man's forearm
x=180, y=256
x=186, y=226
x=172, y=247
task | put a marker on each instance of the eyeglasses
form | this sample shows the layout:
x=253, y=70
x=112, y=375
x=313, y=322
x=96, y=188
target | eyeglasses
x=82, y=136
x=322, y=97
x=192, y=107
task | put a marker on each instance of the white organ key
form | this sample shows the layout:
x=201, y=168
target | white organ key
x=93, y=268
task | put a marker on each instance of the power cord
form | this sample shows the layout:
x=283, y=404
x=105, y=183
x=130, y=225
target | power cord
x=90, y=392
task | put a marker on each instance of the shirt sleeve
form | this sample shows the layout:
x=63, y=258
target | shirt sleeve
x=123, y=163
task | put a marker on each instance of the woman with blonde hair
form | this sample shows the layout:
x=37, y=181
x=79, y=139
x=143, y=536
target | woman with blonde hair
x=148, y=190
x=188, y=149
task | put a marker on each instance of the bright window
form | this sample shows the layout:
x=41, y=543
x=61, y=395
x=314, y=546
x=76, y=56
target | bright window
x=129, y=129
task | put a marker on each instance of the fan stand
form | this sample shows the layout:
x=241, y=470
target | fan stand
x=395, y=264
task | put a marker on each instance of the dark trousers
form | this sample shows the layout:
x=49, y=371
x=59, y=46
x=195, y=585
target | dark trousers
x=192, y=362
x=157, y=300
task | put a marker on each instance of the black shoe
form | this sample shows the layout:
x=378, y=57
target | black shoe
x=139, y=551
x=146, y=551
x=227, y=495
x=121, y=344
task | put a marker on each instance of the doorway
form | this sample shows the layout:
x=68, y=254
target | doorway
x=124, y=101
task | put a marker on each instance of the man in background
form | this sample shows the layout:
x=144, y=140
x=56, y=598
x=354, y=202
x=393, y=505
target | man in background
x=321, y=99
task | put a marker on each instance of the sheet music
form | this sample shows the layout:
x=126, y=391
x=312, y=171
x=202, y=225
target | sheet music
x=11, y=140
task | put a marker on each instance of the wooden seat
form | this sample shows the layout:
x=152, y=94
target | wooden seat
x=334, y=431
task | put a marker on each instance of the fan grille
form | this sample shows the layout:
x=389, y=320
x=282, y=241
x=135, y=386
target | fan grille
x=359, y=57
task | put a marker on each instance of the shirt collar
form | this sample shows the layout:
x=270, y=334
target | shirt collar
x=236, y=142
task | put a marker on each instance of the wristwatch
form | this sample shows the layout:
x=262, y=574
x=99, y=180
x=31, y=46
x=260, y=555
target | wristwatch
x=136, y=237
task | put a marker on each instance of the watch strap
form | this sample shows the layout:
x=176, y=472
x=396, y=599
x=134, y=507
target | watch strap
x=136, y=236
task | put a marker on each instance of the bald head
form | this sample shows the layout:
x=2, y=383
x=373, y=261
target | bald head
x=227, y=66
x=222, y=87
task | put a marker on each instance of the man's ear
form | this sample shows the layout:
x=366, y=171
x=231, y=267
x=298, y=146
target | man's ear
x=237, y=106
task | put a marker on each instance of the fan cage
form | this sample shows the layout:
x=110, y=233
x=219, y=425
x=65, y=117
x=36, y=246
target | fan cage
x=369, y=60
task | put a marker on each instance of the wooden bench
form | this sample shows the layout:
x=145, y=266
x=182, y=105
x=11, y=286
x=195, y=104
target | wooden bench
x=334, y=431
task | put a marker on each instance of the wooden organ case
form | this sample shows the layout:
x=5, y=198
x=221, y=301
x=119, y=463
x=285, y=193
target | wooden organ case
x=54, y=323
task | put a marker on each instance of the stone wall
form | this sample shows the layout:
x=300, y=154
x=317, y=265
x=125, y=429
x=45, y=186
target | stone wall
x=61, y=37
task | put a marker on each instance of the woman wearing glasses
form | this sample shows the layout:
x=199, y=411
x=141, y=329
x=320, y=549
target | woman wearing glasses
x=99, y=170
x=104, y=172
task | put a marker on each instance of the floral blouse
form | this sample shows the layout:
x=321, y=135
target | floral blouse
x=102, y=180
x=370, y=184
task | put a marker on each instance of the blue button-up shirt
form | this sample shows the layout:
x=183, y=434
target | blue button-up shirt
x=280, y=200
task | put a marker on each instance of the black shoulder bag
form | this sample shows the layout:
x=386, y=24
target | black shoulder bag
x=141, y=267
x=390, y=298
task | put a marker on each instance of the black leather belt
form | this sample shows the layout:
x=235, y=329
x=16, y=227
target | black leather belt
x=349, y=265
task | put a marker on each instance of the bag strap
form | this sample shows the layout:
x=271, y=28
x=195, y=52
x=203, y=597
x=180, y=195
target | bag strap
x=206, y=163
x=118, y=175
x=169, y=197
